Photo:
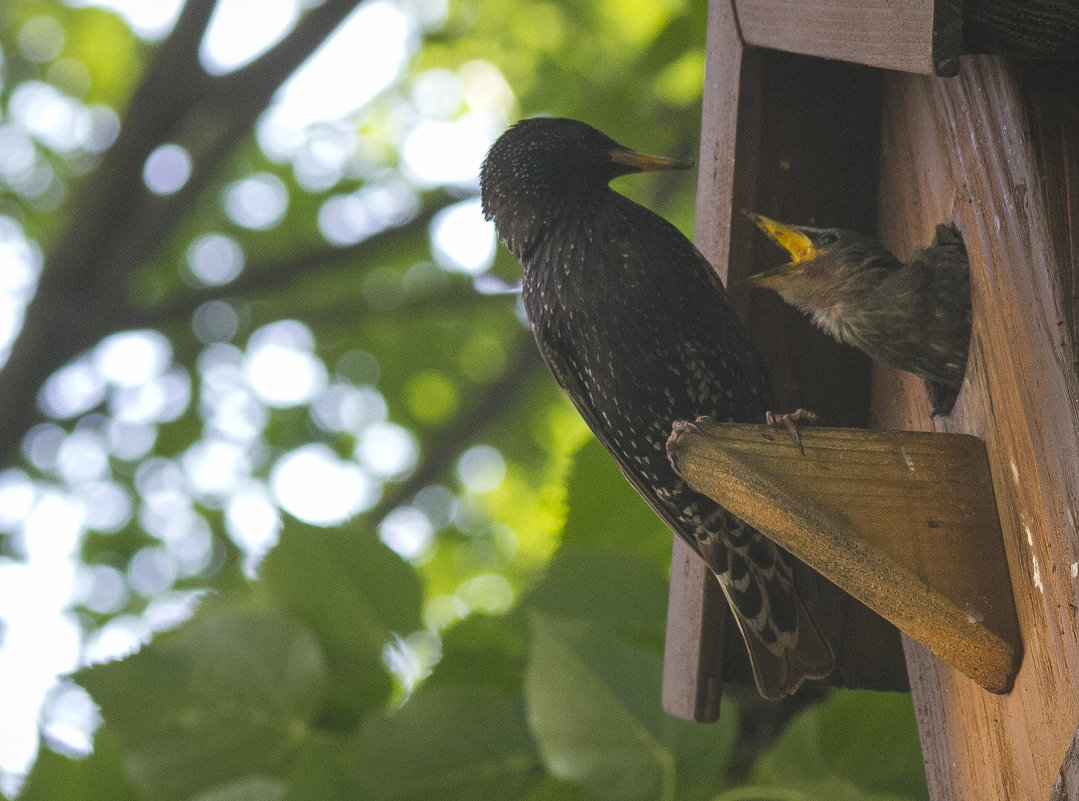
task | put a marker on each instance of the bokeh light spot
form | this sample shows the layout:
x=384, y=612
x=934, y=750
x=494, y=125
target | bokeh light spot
x=280, y=366
x=314, y=486
x=41, y=39
x=462, y=241
x=407, y=531
x=387, y=450
x=431, y=397
x=237, y=33
x=167, y=169
x=72, y=390
x=215, y=259
x=258, y=202
x=481, y=469
x=131, y=358
x=215, y=321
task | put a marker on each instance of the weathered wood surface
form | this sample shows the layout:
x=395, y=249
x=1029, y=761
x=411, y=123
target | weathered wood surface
x=906, y=522
x=920, y=36
x=754, y=154
x=961, y=150
x=697, y=613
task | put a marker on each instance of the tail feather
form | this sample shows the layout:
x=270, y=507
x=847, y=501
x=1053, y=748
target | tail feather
x=786, y=646
x=809, y=656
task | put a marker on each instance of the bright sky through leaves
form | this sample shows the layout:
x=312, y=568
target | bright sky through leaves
x=134, y=371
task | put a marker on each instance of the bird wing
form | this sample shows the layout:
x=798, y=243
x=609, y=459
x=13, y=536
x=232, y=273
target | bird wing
x=785, y=644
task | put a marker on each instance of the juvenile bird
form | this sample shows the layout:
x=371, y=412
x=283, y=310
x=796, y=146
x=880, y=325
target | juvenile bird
x=913, y=316
x=636, y=328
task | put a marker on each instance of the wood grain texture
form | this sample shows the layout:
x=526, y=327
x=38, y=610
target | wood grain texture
x=905, y=522
x=878, y=33
x=753, y=151
x=697, y=612
x=961, y=150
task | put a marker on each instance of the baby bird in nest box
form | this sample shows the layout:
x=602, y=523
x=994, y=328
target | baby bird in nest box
x=914, y=316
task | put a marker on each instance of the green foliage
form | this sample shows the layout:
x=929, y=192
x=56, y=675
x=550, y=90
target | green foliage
x=352, y=592
x=824, y=755
x=93, y=778
x=225, y=696
x=480, y=748
x=609, y=512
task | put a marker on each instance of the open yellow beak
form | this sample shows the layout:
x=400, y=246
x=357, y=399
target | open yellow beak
x=644, y=163
x=797, y=244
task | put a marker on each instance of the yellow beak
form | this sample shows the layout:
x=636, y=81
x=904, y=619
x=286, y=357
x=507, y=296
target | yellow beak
x=797, y=244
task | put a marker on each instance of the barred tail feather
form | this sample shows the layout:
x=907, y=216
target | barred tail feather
x=808, y=656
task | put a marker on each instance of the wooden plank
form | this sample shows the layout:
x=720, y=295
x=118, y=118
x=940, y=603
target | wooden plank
x=921, y=36
x=905, y=522
x=821, y=161
x=961, y=150
x=697, y=613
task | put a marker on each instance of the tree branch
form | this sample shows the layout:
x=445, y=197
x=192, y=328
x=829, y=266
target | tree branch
x=268, y=276
x=116, y=224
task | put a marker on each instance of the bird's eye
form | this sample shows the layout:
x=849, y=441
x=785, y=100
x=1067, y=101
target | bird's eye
x=827, y=239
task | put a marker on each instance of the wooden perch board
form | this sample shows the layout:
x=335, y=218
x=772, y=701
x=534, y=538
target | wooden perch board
x=906, y=522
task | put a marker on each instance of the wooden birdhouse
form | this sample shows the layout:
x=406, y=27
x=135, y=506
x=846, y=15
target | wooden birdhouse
x=891, y=118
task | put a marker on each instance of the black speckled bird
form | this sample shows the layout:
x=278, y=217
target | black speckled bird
x=913, y=316
x=636, y=328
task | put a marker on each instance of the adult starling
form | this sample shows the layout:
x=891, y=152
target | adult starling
x=636, y=328
x=913, y=316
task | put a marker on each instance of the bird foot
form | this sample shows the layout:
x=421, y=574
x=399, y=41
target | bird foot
x=792, y=420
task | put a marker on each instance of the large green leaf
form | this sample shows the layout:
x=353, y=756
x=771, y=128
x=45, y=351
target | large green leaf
x=351, y=591
x=616, y=589
x=97, y=777
x=449, y=743
x=484, y=651
x=864, y=741
x=230, y=693
x=249, y=788
x=593, y=705
x=323, y=770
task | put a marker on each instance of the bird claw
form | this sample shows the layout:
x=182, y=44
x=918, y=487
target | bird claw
x=791, y=420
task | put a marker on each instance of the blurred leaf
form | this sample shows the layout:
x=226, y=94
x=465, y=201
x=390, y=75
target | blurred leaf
x=484, y=651
x=351, y=591
x=554, y=789
x=860, y=739
x=323, y=770
x=249, y=788
x=97, y=777
x=448, y=743
x=231, y=692
x=593, y=704
x=615, y=589
x=605, y=511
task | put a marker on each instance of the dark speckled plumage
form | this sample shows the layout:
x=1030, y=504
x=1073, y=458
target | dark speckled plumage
x=914, y=316
x=635, y=326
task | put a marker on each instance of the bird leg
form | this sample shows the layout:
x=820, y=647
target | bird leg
x=791, y=420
